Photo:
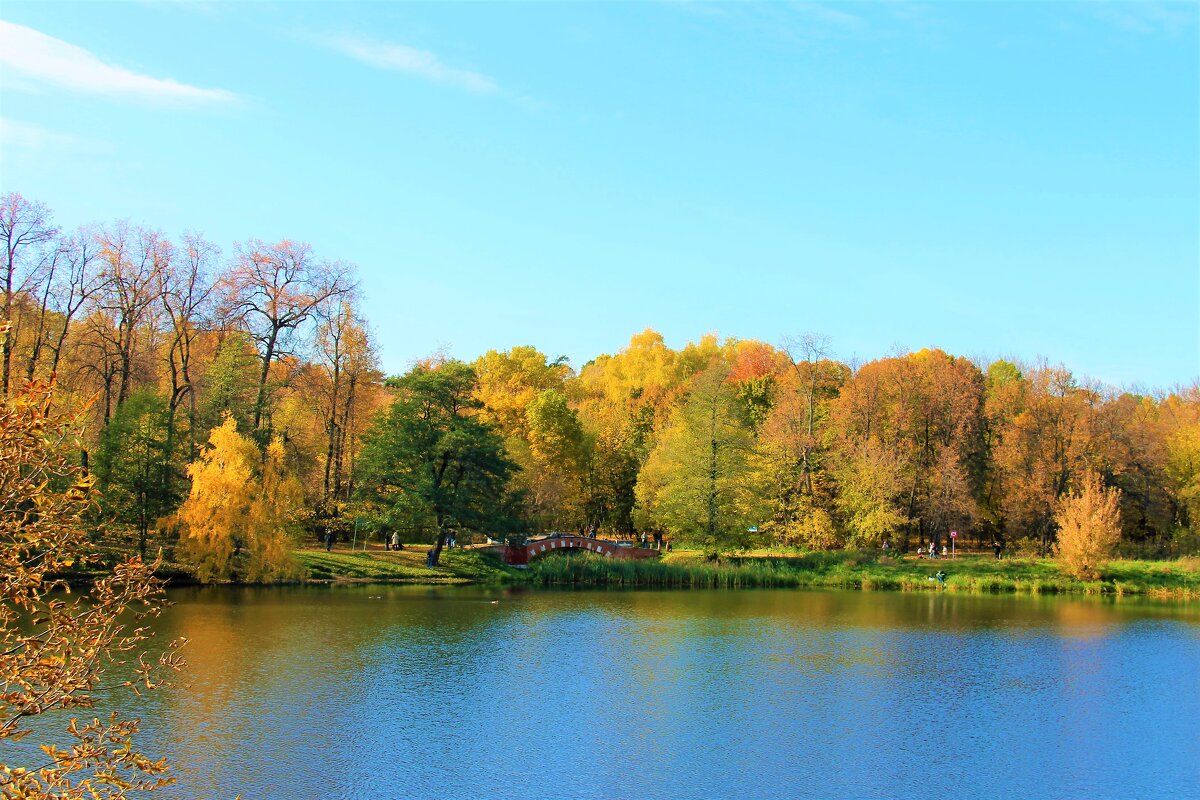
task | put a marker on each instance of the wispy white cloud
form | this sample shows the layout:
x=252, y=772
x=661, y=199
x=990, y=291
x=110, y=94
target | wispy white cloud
x=402, y=58
x=44, y=59
x=24, y=137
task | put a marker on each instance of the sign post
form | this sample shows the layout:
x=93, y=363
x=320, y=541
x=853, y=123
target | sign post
x=953, y=537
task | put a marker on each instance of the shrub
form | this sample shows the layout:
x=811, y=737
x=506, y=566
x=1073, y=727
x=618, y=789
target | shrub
x=1089, y=526
x=1027, y=547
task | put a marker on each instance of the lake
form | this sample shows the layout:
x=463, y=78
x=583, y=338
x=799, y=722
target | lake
x=388, y=691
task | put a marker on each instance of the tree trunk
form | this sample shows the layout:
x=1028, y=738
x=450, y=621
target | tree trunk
x=712, y=481
x=6, y=343
x=260, y=402
x=435, y=554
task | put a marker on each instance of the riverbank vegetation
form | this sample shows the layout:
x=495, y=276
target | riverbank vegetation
x=1177, y=579
x=848, y=570
x=232, y=411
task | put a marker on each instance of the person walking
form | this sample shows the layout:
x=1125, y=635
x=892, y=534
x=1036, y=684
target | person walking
x=395, y=541
x=328, y=540
x=996, y=548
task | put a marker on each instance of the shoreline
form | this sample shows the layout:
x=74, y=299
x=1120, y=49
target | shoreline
x=1177, y=580
x=1174, y=580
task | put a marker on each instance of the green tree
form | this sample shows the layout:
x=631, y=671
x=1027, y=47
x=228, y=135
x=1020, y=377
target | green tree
x=430, y=457
x=698, y=482
x=133, y=463
x=557, y=452
x=229, y=381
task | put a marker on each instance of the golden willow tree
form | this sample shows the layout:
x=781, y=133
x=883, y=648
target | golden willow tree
x=236, y=522
x=65, y=659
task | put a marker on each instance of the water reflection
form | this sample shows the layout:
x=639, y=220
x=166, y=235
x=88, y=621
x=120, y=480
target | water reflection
x=441, y=692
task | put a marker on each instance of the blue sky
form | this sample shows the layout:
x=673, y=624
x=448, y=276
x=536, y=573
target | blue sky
x=993, y=179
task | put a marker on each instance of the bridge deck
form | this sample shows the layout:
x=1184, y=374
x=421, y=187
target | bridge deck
x=603, y=547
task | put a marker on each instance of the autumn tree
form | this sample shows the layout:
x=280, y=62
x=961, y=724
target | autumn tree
x=508, y=381
x=1089, y=527
x=1183, y=471
x=134, y=261
x=793, y=446
x=238, y=520
x=68, y=281
x=870, y=483
x=63, y=657
x=348, y=372
x=185, y=290
x=275, y=289
x=1043, y=443
x=25, y=226
x=1132, y=438
x=623, y=399
x=925, y=410
x=523, y=393
x=817, y=379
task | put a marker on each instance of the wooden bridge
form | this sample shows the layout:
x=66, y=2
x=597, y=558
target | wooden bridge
x=523, y=554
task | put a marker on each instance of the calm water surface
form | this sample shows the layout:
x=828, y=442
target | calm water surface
x=383, y=692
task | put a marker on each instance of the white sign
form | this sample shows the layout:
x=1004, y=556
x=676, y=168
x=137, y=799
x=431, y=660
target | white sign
x=953, y=534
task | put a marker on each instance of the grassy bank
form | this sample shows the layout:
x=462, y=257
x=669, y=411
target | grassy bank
x=1178, y=580
x=405, y=566
x=971, y=574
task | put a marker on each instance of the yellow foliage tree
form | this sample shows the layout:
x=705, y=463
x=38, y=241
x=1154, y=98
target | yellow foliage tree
x=1089, y=527
x=234, y=523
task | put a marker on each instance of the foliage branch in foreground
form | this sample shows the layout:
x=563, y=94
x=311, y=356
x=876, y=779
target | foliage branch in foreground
x=64, y=658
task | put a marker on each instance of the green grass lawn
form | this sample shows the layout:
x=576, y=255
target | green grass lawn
x=406, y=566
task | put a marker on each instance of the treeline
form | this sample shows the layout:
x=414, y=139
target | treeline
x=154, y=344
x=254, y=370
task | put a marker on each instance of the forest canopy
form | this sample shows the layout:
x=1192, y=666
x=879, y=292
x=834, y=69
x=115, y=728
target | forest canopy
x=254, y=367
